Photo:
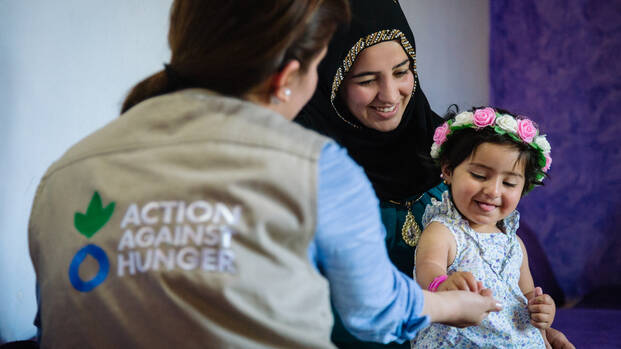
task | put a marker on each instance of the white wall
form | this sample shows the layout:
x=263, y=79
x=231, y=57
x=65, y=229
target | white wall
x=66, y=66
x=452, y=49
x=64, y=70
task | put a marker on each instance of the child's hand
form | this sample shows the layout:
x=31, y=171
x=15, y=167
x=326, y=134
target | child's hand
x=461, y=281
x=541, y=307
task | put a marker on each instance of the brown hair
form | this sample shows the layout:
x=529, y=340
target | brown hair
x=233, y=46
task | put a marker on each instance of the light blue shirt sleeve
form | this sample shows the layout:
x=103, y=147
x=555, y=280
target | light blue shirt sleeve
x=375, y=300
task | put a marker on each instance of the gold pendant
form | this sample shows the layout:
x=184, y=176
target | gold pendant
x=410, y=231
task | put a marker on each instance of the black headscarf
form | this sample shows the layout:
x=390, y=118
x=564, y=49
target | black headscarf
x=396, y=162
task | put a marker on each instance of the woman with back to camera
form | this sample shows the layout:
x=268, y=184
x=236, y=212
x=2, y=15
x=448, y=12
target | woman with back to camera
x=203, y=217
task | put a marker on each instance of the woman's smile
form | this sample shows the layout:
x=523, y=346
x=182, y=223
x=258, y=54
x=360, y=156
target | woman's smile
x=386, y=112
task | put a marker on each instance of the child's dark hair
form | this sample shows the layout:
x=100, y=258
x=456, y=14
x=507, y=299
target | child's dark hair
x=464, y=142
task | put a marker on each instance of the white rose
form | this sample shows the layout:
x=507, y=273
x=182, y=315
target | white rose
x=542, y=142
x=463, y=119
x=507, y=123
x=435, y=150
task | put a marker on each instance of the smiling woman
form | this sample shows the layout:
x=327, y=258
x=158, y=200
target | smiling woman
x=379, y=86
x=369, y=99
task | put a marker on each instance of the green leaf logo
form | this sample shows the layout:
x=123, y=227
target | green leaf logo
x=95, y=218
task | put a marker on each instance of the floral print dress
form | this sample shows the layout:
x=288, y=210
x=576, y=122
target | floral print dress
x=494, y=259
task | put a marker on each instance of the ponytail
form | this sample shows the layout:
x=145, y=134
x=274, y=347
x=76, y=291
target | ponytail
x=155, y=85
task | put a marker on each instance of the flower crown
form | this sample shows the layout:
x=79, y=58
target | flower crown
x=519, y=129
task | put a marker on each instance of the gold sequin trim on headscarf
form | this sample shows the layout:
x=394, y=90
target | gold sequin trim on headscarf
x=350, y=58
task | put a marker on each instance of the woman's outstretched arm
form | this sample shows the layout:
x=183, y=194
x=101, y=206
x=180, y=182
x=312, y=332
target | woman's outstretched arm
x=375, y=301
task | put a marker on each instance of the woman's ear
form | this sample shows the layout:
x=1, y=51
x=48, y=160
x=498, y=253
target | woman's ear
x=284, y=80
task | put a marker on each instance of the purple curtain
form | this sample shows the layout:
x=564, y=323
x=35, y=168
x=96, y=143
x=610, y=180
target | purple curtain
x=559, y=62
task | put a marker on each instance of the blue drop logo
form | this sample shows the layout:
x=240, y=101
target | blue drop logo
x=104, y=267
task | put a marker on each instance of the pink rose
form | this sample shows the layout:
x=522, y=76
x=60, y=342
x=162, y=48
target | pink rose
x=440, y=135
x=526, y=130
x=548, y=163
x=484, y=117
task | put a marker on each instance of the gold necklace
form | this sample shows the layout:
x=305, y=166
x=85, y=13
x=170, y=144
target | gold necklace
x=411, y=232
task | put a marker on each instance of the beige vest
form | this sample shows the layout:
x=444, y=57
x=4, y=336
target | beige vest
x=184, y=223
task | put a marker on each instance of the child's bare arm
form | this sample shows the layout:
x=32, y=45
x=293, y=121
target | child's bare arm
x=541, y=306
x=434, y=253
x=526, y=279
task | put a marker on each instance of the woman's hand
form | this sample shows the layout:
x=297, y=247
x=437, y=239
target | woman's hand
x=541, y=307
x=558, y=340
x=459, y=308
x=461, y=280
x=545, y=339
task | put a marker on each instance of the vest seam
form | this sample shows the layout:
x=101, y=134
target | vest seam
x=137, y=147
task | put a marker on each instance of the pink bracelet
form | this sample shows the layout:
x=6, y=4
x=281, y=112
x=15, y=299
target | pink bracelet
x=433, y=286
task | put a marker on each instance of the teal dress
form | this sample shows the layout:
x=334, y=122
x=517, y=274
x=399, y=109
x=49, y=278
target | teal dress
x=400, y=250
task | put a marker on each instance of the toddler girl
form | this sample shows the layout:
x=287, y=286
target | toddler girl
x=490, y=159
